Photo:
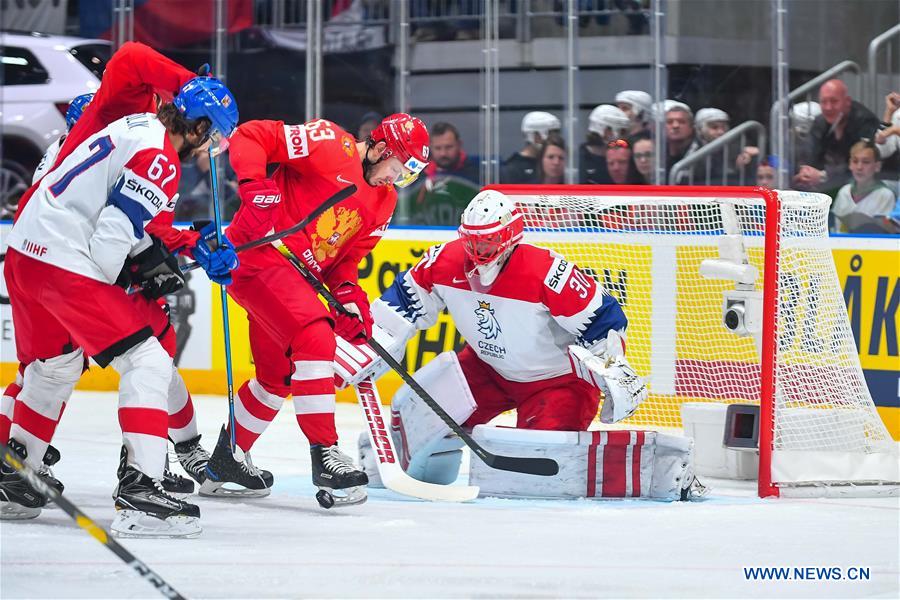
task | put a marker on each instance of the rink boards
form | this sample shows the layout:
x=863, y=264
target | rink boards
x=867, y=268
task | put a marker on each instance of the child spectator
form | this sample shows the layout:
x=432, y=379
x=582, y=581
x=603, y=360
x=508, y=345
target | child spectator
x=866, y=197
x=765, y=174
x=636, y=106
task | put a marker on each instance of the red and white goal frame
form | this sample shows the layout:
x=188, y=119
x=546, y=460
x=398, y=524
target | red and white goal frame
x=678, y=258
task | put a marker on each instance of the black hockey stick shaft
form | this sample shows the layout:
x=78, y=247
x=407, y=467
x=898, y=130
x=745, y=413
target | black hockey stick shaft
x=90, y=526
x=533, y=466
x=338, y=196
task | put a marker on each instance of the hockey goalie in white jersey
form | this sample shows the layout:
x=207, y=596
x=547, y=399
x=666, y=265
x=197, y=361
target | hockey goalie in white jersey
x=543, y=337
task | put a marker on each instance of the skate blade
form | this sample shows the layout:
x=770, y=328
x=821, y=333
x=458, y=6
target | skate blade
x=221, y=489
x=11, y=511
x=136, y=524
x=348, y=496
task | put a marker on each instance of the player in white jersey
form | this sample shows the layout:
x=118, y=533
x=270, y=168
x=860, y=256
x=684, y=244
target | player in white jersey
x=80, y=233
x=73, y=113
x=542, y=336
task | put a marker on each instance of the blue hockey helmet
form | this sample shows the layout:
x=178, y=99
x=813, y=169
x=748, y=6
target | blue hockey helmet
x=76, y=109
x=207, y=97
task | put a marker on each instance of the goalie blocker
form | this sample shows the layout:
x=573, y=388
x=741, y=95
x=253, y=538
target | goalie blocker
x=593, y=464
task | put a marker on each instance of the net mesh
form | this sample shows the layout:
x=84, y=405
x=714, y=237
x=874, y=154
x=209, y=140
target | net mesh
x=648, y=252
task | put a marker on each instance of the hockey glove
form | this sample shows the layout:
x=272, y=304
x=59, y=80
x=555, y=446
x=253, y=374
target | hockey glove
x=155, y=270
x=259, y=208
x=217, y=261
x=356, y=327
x=623, y=389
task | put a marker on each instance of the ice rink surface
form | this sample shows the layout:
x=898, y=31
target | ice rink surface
x=285, y=546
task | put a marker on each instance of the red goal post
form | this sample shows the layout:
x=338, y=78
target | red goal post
x=732, y=296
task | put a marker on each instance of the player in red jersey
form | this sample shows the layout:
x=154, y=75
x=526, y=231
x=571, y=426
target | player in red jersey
x=292, y=334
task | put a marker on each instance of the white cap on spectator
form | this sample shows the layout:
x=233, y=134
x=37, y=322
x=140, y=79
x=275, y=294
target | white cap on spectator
x=639, y=101
x=540, y=122
x=607, y=115
x=803, y=114
x=710, y=115
x=670, y=105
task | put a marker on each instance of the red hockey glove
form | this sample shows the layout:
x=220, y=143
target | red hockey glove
x=258, y=211
x=356, y=328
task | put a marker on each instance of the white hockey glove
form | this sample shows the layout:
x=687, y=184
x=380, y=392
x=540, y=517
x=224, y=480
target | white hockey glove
x=623, y=389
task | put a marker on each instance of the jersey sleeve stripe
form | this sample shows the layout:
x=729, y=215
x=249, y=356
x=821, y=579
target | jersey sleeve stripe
x=136, y=212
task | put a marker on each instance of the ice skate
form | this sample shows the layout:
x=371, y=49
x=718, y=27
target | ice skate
x=226, y=475
x=193, y=458
x=334, y=472
x=145, y=509
x=18, y=500
x=175, y=483
x=51, y=457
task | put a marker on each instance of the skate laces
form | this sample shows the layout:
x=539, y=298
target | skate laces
x=194, y=460
x=248, y=466
x=336, y=461
x=158, y=486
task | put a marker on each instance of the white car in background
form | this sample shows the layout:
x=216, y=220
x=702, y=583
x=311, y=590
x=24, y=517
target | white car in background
x=41, y=75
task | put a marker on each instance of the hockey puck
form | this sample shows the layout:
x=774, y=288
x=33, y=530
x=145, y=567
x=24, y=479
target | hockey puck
x=325, y=499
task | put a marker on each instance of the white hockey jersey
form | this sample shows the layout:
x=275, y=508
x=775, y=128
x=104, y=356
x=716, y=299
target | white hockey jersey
x=523, y=324
x=48, y=159
x=89, y=212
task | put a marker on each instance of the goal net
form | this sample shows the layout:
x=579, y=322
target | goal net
x=731, y=296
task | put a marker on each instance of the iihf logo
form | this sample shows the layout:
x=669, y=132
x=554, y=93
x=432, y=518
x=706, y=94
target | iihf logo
x=487, y=322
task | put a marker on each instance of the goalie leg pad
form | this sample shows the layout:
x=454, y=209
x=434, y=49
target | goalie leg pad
x=418, y=433
x=592, y=464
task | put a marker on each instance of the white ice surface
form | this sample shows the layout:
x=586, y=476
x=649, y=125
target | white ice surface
x=285, y=546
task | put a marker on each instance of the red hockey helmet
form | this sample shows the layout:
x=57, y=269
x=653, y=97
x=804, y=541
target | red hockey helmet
x=407, y=139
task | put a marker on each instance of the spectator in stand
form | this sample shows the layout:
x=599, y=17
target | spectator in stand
x=680, y=140
x=861, y=204
x=888, y=140
x=711, y=124
x=522, y=166
x=643, y=160
x=802, y=116
x=636, y=106
x=552, y=162
x=843, y=122
x=619, y=164
x=605, y=124
x=369, y=121
x=765, y=174
x=451, y=180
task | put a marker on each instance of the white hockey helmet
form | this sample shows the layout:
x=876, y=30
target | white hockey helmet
x=640, y=102
x=607, y=116
x=669, y=105
x=490, y=229
x=803, y=114
x=710, y=115
x=539, y=122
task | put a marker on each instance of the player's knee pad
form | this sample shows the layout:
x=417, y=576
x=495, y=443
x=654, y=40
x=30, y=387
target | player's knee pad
x=592, y=464
x=48, y=383
x=421, y=438
x=146, y=372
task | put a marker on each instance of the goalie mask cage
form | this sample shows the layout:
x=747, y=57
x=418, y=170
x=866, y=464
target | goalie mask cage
x=684, y=260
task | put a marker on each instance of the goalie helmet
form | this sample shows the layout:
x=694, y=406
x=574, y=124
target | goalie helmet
x=541, y=123
x=607, y=116
x=407, y=139
x=491, y=227
x=803, y=114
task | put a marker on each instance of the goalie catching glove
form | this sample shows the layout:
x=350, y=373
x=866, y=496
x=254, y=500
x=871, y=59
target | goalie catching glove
x=623, y=389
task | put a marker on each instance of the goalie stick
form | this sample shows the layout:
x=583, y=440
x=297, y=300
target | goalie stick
x=90, y=526
x=533, y=465
x=392, y=475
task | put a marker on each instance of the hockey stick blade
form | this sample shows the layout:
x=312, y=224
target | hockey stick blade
x=392, y=474
x=338, y=196
x=533, y=466
x=90, y=526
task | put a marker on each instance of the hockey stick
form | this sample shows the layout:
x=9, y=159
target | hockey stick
x=229, y=374
x=90, y=526
x=533, y=466
x=338, y=196
x=392, y=475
